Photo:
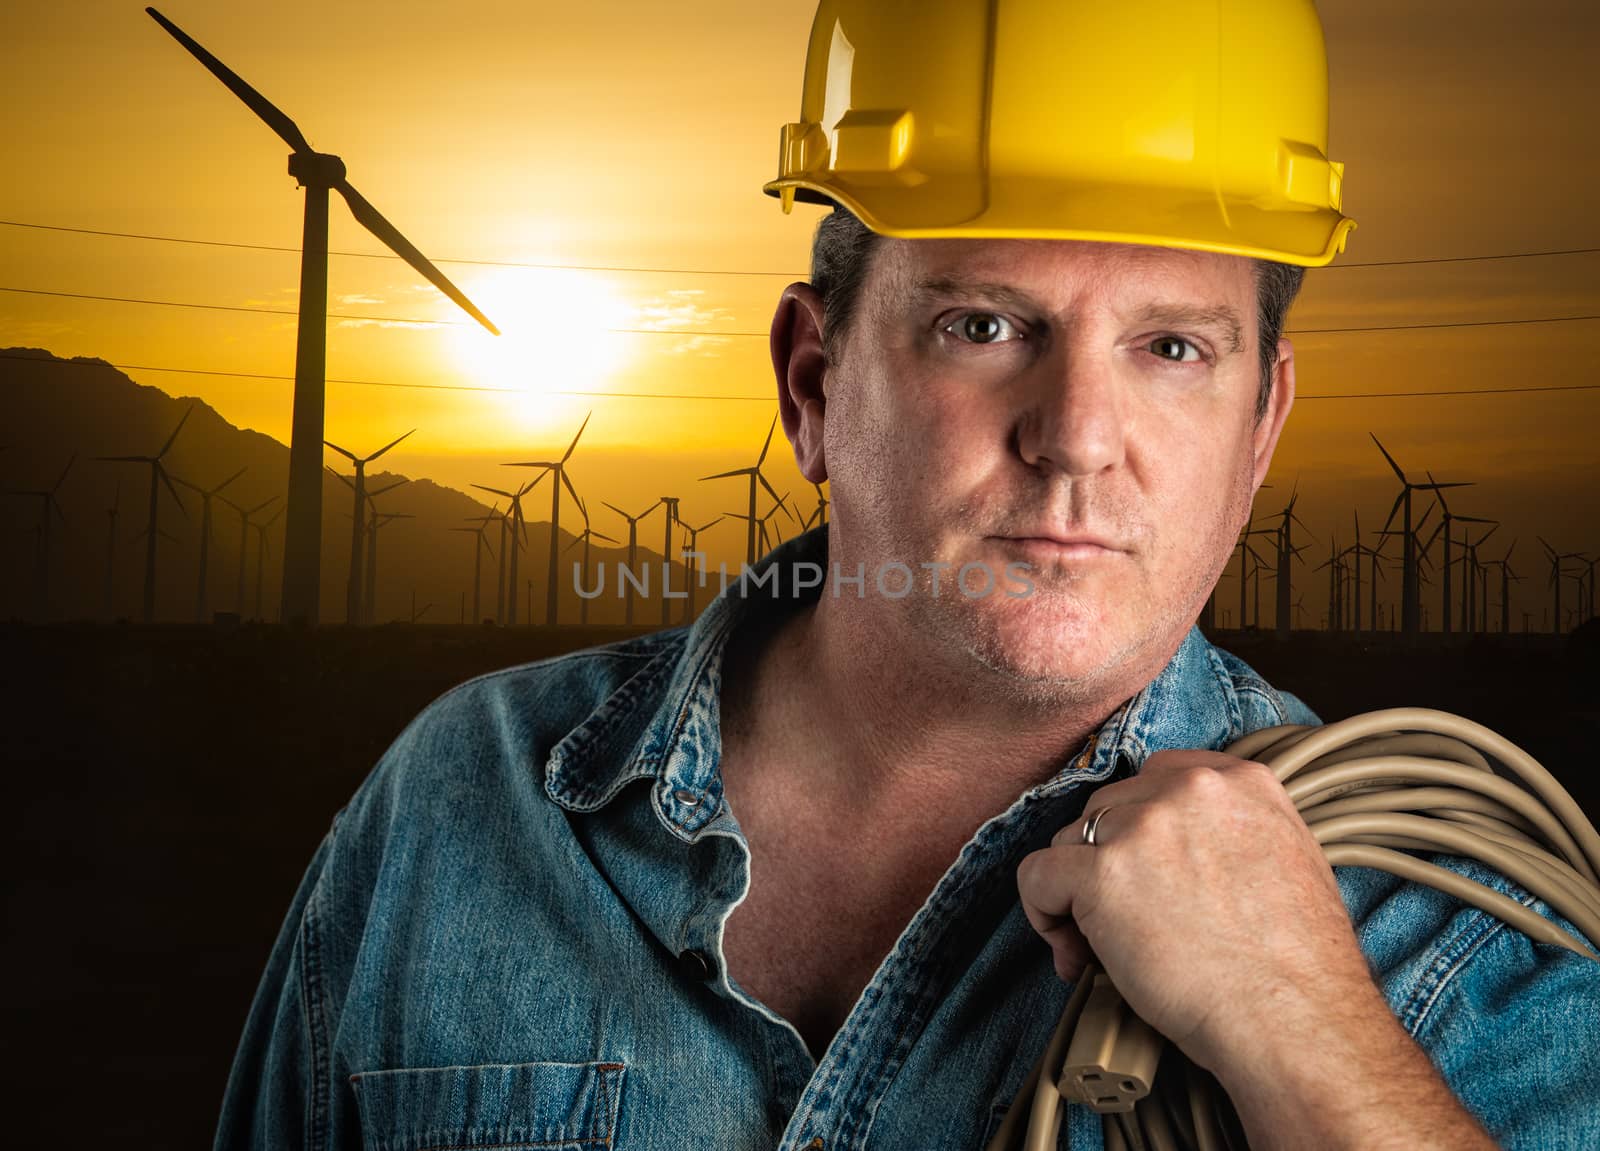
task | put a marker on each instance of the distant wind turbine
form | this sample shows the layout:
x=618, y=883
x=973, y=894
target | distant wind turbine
x=369, y=598
x=318, y=173
x=158, y=476
x=1409, y=595
x=245, y=515
x=692, y=568
x=557, y=468
x=633, y=549
x=356, y=582
x=756, y=477
x=261, y=552
x=671, y=503
x=47, y=504
x=587, y=534
x=478, y=548
x=519, y=536
x=202, y=589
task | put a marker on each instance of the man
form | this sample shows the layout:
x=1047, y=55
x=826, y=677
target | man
x=779, y=879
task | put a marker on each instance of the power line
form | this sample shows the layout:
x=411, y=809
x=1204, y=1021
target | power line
x=264, y=311
x=699, y=271
x=388, y=383
x=392, y=256
x=713, y=332
x=700, y=396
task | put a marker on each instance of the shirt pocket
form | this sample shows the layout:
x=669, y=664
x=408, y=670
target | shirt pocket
x=503, y=1106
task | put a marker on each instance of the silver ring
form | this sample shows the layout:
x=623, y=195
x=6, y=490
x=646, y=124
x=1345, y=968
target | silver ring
x=1091, y=824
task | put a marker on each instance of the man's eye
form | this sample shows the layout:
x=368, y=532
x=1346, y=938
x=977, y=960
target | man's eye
x=981, y=327
x=1167, y=345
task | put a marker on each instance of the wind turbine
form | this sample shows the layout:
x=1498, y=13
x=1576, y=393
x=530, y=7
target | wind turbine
x=47, y=504
x=559, y=469
x=519, y=536
x=379, y=519
x=478, y=548
x=818, y=515
x=202, y=589
x=755, y=477
x=633, y=550
x=356, y=582
x=158, y=476
x=319, y=173
x=1555, y=577
x=261, y=552
x=244, y=536
x=1409, y=599
x=369, y=598
x=1287, y=552
x=761, y=521
x=692, y=569
x=584, y=538
x=1506, y=578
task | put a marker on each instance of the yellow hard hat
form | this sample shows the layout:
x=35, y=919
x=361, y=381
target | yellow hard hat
x=1181, y=123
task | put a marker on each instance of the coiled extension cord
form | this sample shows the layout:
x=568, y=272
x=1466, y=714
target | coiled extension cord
x=1371, y=788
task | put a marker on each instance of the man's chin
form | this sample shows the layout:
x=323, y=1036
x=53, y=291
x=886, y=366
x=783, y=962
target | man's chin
x=1051, y=646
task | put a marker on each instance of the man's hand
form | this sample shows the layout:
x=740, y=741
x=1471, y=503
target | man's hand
x=1206, y=900
x=1212, y=908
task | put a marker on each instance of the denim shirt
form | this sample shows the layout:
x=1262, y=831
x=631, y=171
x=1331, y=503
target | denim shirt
x=511, y=938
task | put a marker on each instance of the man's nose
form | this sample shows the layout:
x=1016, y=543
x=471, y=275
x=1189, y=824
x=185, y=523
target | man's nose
x=1074, y=419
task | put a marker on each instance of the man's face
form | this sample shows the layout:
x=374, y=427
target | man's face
x=1089, y=390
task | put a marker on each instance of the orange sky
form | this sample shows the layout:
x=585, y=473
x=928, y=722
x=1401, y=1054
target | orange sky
x=637, y=135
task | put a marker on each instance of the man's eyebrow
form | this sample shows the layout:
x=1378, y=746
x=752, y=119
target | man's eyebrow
x=1217, y=317
x=934, y=288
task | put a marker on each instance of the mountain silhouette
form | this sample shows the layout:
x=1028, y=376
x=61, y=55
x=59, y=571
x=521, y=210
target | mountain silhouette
x=52, y=409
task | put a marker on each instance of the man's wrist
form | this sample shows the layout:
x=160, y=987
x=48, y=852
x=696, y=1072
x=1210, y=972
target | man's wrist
x=1345, y=1076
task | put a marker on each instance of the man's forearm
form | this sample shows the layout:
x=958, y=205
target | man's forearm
x=1355, y=1081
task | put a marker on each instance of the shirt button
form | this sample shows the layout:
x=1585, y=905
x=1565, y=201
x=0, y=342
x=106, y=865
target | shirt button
x=696, y=965
x=686, y=797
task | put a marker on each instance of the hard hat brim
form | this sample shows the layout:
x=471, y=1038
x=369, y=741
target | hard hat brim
x=1309, y=237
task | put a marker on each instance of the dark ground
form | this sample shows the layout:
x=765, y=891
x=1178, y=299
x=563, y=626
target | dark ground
x=170, y=784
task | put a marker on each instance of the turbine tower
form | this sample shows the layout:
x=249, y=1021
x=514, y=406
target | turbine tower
x=369, y=597
x=356, y=582
x=559, y=469
x=158, y=476
x=261, y=552
x=478, y=548
x=319, y=173
x=666, y=557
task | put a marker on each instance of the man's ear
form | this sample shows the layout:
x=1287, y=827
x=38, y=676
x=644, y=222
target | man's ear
x=797, y=360
x=1279, y=401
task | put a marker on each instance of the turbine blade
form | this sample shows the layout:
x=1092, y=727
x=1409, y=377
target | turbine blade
x=175, y=432
x=496, y=491
x=349, y=455
x=1390, y=458
x=761, y=459
x=572, y=491
x=162, y=472
x=616, y=509
x=725, y=475
x=386, y=447
x=127, y=459
x=230, y=479
x=64, y=472
x=373, y=221
x=769, y=488
x=532, y=464
x=602, y=536
x=574, y=443
x=255, y=101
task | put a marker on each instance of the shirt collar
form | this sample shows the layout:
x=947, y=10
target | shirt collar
x=662, y=723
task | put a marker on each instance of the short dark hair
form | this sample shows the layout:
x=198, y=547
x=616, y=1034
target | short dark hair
x=841, y=253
